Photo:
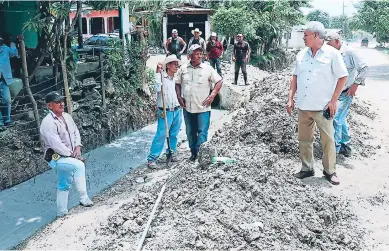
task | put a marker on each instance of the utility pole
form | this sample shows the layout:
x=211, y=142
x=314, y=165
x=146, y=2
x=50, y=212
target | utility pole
x=79, y=21
x=343, y=21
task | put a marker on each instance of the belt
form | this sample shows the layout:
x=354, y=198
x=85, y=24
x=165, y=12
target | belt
x=170, y=109
x=345, y=90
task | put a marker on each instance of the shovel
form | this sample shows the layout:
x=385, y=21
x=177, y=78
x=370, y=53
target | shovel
x=169, y=149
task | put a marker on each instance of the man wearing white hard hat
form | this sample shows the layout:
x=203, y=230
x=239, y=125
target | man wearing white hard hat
x=197, y=39
x=175, y=45
x=215, y=52
x=197, y=85
x=164, y=77
x=357, y=70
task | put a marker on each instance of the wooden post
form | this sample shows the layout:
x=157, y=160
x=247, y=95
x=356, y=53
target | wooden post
x=26, y=84
x=79, y=21
x=102, y=81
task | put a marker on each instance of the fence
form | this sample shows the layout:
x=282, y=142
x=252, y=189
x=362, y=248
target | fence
x=20, y=144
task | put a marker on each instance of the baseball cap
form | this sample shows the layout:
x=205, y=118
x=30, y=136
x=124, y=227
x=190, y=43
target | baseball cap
x=174, y=31
x=332, y=35
x=53, y=97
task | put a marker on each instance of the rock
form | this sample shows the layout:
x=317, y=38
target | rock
x=75, y=106
x=17, y=145
x=109, y=88
x=89, y=83
x=87, y=122
x=199, y=244
x=140, y=180
x=77, y=95
x=139, y=221
x=131, y=226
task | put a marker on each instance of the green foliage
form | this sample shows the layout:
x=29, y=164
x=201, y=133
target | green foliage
x=126, y=66
x=262, y=22
x=231, y=21
x=320, y=16
x=341, y=22
x=372, y=16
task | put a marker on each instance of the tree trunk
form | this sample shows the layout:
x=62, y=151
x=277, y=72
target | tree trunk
x=145, y=85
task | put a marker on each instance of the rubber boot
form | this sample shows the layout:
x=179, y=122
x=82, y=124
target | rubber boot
x=245, y=77
x=236, y=78
x=62, y=203
x=80, y=183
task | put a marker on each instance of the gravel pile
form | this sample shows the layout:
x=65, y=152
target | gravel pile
x=254, y=204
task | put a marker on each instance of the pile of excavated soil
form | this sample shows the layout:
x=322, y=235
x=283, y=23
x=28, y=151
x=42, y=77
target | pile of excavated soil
x=254, y=204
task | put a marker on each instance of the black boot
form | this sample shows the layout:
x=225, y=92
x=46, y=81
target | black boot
x=236, y=78
x=245, y=78
x=193, y=157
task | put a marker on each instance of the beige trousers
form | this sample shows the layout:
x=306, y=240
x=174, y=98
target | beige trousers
x=306, y=129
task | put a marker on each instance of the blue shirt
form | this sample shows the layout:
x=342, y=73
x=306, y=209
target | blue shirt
x=5, y=66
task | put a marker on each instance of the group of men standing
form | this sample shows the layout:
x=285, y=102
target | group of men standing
x=326, y=77
x=213, y=51
x=189, y=91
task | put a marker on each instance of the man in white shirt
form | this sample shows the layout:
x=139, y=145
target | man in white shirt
x=63, y=152
x=173, y=110
x=318, y=77
x=357, y=70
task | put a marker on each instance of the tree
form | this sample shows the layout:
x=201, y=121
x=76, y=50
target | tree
x=372, y=16
x=262, y=22
x=320, y=16
x=341, y=22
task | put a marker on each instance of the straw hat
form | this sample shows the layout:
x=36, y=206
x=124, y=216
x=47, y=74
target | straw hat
x=169, y=59
x=196, y=30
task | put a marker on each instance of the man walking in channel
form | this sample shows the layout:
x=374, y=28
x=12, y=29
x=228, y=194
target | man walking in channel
x=240, y=56
x=63, y=152
x=197, y=84
x=215, y=52
x=165, y=79
x=175, y=45
x=357, y=70
x=319, y=77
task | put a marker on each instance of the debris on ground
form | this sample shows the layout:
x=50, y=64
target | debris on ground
x=252, y=204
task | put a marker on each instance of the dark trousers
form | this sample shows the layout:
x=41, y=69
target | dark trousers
x=197, y=125
x=240, y=65
x=215, y=62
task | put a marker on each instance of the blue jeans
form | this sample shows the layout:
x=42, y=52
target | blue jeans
x=216, y=62
x=67, y=169
x=197, y=125
x=5, y=103
x=342, y=134
x=174, y=121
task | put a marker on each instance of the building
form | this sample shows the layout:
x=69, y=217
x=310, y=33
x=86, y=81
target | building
x=295, y=38
x=185, y=18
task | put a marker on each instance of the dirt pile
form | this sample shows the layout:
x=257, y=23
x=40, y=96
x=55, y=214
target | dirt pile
x=254, y=204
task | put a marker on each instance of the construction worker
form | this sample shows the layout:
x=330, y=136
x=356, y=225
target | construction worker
x=319, y=76
x=63, y=152
x=240, y=56
x=173, y=110
x=215, y=52
x=197, y=85
x=175, y=45
x=197, y=39
x=357, y=70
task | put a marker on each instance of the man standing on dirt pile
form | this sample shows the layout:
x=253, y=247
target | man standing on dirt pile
x=173, y=45
x=215, y=52
x=319, y=77
x=63, y=152
x=357, y=70
x=173, y=110
x=240, y=56
x=199, y=84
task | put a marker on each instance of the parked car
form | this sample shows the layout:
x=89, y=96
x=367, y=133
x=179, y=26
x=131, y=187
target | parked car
x=365, y=42
x=99, y=43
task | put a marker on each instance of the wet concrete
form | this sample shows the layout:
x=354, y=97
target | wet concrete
x=29, y=206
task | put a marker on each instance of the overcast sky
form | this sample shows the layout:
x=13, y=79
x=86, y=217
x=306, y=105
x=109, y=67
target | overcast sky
x=333, y=7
